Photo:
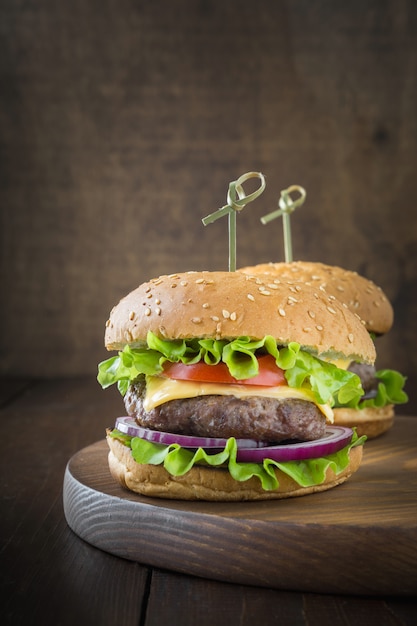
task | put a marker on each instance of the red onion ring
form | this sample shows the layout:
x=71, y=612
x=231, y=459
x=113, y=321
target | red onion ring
x=128, y=426
x=248, y=450
x=336, y=438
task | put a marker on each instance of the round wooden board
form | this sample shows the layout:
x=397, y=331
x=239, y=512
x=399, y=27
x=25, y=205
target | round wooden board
x=358, y=538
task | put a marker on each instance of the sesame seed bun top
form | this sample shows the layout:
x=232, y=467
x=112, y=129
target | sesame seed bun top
x=225, y=305
x=359, y=294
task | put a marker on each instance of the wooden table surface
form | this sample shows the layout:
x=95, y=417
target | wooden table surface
x=51, y=576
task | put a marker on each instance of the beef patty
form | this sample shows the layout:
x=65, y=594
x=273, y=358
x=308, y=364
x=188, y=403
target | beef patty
x=255, y=417
x=367, y=374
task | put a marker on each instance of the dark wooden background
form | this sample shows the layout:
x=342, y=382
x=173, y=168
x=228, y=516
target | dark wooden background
x=122, y=123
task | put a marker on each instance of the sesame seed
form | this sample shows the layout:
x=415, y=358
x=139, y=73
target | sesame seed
x=206, y=305
x=147, y=289
x=132, y=315
x=158, y=281
x=250, y=297
x=233, y=316
x=149, y=295
x=272, y=286
x=158, y=310
x=312, y=314
x=306, y=329
x=329, y=308
x=265, y=292
x=196, y=320
x=128, y=336
x=183, y=283
x=225, y=314
x=107, y=323
x=173, y=285
x=199, y=281
x=215, y=318
x=340, y=288
x=282, y=312
x=350, y=337
x=292, y=300
x=157, y=301
x=319, y=327
x=147, y=312
x=376, y=303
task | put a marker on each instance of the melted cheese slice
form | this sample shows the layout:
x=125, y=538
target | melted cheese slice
x=342, y=364
x=160, y=390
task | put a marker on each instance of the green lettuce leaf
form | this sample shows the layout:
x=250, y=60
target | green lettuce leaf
x=390, y=390
x=329, y=383
x=178, y=461
x=127, y=366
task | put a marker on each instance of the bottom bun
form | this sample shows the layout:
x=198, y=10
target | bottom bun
x=371, y=421
x=211, y=484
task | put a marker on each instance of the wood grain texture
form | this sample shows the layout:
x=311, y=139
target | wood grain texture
x=119, y=133
x=364, y=531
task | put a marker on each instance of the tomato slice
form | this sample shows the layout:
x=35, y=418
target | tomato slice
x=270, y=375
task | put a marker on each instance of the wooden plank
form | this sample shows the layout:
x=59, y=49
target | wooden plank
x=51, y=577
x=321, y=610
x=48, y=576
x=208, y=603
x=371, y=520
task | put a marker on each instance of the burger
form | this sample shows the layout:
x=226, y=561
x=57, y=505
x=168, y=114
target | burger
x=229, y=385
x=374, y=413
